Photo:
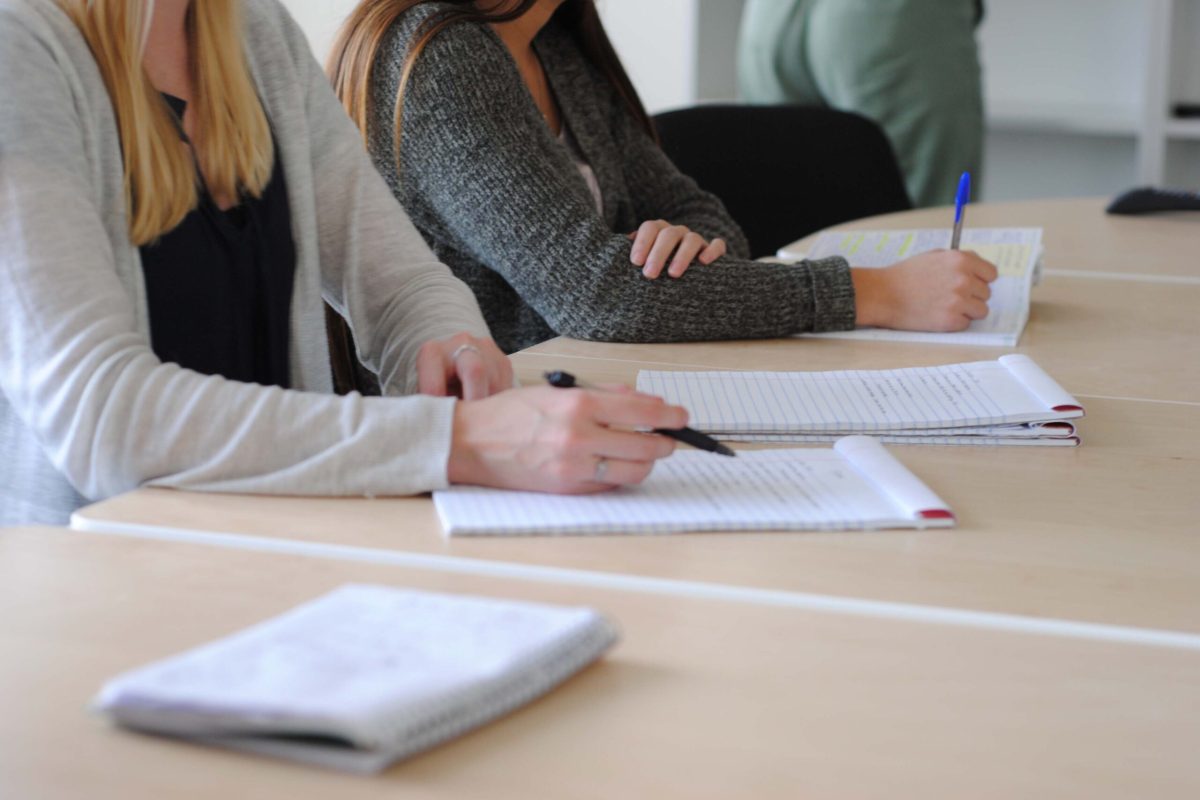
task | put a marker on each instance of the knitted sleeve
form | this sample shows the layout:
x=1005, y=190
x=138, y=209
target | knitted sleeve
x=476, y=151
x=660, y=191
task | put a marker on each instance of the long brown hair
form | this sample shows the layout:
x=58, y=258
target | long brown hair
x=354, y=52
x=160, y=177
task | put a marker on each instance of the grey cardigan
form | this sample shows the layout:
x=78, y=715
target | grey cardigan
x=87, y=410
x=501, y=201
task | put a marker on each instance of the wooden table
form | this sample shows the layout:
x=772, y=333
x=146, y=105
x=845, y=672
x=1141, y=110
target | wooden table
x=702, y=698
x=1079, y=236
x=1102, y=534
x=1097, y=337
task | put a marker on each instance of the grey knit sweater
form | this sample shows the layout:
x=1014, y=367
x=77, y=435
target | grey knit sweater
x=87, y=410
x=501, y=201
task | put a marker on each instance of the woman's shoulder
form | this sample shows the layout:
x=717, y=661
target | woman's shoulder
x=272, y=34
x=463, y=44
x=43, y=21
x=30, y=14
x=562, y=55
x=43, y=57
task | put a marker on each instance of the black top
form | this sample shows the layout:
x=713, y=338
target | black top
x=219, y=285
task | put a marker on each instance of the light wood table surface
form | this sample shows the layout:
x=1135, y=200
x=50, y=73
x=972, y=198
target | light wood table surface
x=701, y=699
x=1078, y=235
x=1098, y=338
x=1102, y=533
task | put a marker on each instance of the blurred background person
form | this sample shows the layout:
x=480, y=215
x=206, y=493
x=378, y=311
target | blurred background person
x=912, y=66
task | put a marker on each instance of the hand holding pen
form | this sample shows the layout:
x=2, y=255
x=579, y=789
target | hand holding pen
x=545, y=439
x=701, y=441
x=938, y=290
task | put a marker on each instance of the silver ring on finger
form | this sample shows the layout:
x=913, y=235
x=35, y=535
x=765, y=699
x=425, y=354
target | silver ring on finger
x=463, y=348
x=601, y=472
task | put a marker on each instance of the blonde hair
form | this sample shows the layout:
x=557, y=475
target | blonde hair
x=235, y=151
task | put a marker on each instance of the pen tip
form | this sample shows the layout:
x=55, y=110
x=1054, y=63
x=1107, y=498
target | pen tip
x=725, y=451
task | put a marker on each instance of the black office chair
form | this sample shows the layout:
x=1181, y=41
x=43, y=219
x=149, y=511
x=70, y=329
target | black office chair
x=785, y=171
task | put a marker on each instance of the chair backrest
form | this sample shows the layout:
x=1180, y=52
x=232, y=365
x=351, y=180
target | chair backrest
x=785, y=171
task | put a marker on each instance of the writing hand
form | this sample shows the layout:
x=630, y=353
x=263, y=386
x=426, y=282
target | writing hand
x=567, y=442
x=943, y=290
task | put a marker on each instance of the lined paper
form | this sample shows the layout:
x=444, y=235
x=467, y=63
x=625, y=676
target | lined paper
x=981, y=393
x=692, y=491
x=886, y=438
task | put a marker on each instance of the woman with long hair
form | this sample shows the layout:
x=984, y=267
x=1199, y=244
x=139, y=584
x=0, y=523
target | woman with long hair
x=516, y=142
x=179, y=189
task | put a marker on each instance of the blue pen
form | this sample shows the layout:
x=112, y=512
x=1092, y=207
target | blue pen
x=960, y=203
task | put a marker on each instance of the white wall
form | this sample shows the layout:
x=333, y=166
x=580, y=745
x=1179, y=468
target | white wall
x=1063, y=80
x=677, y=52
x=1064, y=85
x=320, y=19
x=656, y=40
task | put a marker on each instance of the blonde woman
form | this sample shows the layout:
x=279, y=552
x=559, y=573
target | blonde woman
x=179, y=188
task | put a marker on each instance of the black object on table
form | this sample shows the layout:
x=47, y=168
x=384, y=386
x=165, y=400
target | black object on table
x=1147, y=200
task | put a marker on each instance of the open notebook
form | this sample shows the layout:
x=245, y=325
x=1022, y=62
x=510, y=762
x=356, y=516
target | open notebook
x=856, y=485
x=362, y=676
x=1016, y=252
x=1007, y=401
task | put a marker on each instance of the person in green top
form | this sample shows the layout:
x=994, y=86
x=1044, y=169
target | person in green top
x=912, y=66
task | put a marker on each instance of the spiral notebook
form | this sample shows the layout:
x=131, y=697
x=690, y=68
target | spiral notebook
x=360, y=677
x=856, y=485
x=1008, y=401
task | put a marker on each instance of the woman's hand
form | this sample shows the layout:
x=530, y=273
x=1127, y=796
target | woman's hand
x=463, y=366
x=568, y=441
x=943, y=290
x=656, y=240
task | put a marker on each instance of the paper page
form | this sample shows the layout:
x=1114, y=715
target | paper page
x=360, y=663
x=935, y=439
x=1015, y=252
x=1031, y=433
x=906, y=490
x=851, y=401
x=1035, y=430
x=690, y=491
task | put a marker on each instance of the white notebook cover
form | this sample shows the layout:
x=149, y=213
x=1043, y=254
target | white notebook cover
x=362, y=676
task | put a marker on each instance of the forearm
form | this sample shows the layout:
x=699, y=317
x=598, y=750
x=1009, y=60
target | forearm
x=110, y=416
x=729, y=299
x=376, y=269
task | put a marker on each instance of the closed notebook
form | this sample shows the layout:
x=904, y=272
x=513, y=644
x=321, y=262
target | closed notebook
x=1009, y=400
x=855, y=485
x=362, y=676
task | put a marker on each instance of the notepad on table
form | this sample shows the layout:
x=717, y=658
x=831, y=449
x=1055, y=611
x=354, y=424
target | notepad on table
x=1016, y=252
x=856, y=485
x=1007, y=401
x=362, y=676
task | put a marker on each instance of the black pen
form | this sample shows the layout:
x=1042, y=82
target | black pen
x=701, y=441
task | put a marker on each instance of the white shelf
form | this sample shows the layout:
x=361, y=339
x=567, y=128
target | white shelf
x=1086, y=119
x=1183, y=129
